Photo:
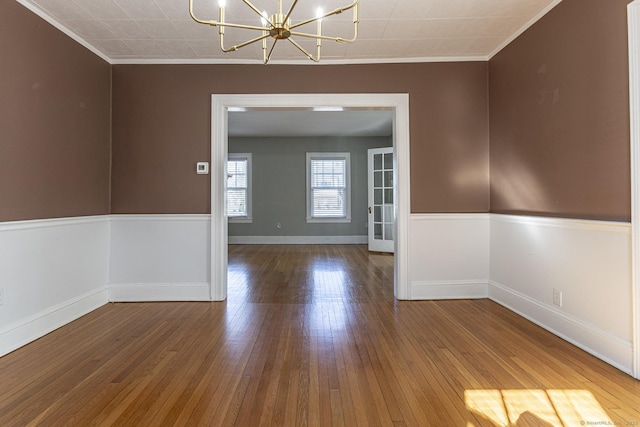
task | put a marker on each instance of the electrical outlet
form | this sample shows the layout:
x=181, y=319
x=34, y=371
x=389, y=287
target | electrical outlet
x=557, y=297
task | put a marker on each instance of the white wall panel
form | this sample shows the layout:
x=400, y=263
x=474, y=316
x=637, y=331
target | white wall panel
x=159, y=258
x=51, y=272
x=449, y=256
x=588, y=261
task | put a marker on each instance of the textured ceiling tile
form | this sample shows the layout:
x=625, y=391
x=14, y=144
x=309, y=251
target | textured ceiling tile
x=482, y=45
x=175, y=49
x=174, y=10
x=102, y=9
x=142, y=9
x=389, y=29
x=160, y=29
x=126, y=29
x=147, y=48
x=412, y=10
x=114, y=48
x=63, y=10
x=92, y=30
x=204, y=48
x=379, y=9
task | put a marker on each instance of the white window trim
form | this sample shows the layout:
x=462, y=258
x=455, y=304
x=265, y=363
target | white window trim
x=249, y=218
x=335, y=155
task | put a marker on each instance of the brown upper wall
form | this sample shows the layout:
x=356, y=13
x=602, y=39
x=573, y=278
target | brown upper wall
x=559, y=115
x=162, y=116
x=54, y=121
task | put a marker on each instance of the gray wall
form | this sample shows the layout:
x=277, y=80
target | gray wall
x=279, y=181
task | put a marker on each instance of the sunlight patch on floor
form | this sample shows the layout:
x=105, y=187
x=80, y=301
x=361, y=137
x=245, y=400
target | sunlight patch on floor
x=546, y=407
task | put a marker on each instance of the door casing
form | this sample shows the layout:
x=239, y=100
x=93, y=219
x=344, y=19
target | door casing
x=397, y=103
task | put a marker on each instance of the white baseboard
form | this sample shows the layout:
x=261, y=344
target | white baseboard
x=450, y=289
x=25, y=331
x=146, y=292
x=297, y=240
x=608, y=347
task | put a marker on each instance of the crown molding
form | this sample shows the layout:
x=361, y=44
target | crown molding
x=160, y=61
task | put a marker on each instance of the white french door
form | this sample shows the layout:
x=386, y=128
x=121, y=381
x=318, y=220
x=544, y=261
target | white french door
x=381, y=208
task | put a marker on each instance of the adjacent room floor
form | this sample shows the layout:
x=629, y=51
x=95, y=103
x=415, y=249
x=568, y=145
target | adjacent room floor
x=310, y=335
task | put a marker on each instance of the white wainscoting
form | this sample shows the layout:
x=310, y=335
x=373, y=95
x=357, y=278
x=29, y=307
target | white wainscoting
x=449, y=256
x=160, y=258
x=589, y=261
x=52, y=272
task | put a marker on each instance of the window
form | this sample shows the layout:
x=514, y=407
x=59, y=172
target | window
x=239, y=187
x=328, y=187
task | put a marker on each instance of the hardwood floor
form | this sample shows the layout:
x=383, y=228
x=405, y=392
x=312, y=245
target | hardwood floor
x=310, y=335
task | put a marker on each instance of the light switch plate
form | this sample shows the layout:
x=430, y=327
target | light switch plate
x=202, y=168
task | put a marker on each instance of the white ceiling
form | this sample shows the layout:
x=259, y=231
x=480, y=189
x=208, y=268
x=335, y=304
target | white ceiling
x=139, y=31
x=309, y=123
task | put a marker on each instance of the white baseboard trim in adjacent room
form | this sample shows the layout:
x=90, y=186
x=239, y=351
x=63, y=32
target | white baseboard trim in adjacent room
x=602, y=344
x=449, y=289
x=147, y=292
x=30, y=329
x=297, y=240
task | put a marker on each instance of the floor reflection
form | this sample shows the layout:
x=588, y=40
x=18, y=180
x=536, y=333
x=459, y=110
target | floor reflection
x=325, y=279
x=537, y=407
x=307, y=274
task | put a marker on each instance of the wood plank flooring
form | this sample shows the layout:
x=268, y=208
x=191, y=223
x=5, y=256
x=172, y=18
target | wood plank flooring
x=310, y=336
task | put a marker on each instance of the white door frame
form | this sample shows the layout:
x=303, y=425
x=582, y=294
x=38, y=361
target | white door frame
x=397, y=103
x=633, y=16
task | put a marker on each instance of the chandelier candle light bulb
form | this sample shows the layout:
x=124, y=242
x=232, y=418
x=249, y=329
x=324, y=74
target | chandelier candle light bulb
x=278, y=26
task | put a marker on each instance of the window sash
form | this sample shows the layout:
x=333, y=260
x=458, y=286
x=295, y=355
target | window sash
x=238, y=191
x=328, y=187
x=328, y=203
x=237, y=202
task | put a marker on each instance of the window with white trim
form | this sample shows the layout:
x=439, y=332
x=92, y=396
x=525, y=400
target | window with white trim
x=328, y=187
x=239, y=187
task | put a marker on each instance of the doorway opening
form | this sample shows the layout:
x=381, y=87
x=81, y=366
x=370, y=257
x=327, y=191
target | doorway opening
x=398, y=104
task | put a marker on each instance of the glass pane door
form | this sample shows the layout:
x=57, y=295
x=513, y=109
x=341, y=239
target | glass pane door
x=381, y=196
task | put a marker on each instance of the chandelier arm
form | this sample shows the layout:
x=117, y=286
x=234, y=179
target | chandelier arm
x=256, y=10
x=225, y=24
x=316, y=36
x=333, y=12
x=268, y=57
x=199, y=21
x=242, y=26
x=238, y=46
x=311, y=57
x=290, y=10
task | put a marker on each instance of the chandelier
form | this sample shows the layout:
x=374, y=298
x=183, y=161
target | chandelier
x=278, y=26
